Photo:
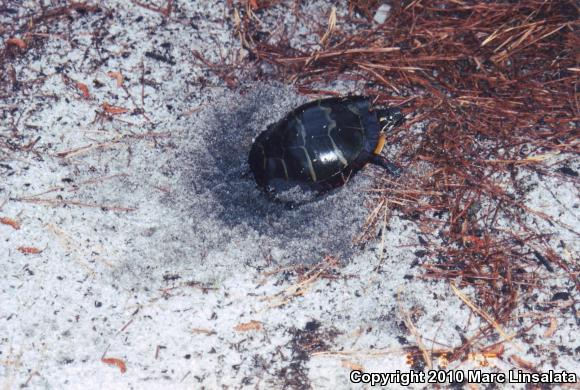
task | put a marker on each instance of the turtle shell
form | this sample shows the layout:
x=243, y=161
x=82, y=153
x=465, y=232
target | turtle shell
x=318, y=144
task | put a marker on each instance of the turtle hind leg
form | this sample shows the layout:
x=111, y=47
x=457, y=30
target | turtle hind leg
x=386, y=164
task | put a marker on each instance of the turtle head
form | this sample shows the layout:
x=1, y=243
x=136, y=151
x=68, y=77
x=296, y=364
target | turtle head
x=390, y=118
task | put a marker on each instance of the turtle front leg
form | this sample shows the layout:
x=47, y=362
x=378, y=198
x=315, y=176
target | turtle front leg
x=389, y=166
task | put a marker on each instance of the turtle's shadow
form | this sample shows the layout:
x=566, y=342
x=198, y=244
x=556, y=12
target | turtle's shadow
x=222, y=174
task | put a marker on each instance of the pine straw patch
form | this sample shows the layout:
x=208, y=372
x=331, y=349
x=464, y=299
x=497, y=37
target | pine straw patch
x=496, y=84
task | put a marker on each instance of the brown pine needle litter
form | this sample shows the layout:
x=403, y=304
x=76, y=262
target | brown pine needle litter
x=495, y=84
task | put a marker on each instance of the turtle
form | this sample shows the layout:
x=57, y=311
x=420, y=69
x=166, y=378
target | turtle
x=320, y=144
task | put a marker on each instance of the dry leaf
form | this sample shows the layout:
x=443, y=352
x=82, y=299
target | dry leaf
x=522, y=363
x=553, y=327
x=84, y=89
x=202, y=331
x=16, y=42
x=331, y=26
x=115, y=362
x=246, y=326
x=114, y=109
x=10, y=222
x=478, y=242
x=117, y=76
x=351, y=365
x=494, y=351
x=29, y=250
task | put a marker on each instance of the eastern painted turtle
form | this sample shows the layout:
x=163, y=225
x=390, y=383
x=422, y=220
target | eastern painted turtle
x=320, y=144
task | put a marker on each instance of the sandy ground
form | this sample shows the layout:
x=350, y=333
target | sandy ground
x=137, y=253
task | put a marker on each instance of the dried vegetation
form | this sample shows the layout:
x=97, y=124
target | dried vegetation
x=496, y=85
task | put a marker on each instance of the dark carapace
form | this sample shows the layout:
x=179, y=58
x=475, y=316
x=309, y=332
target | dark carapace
x=320, y=144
